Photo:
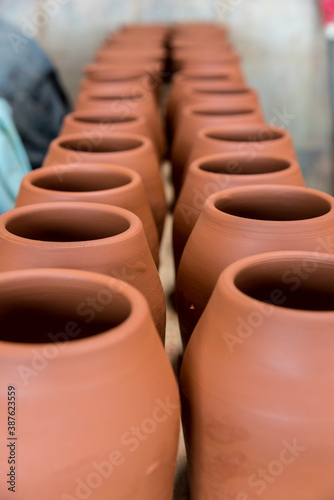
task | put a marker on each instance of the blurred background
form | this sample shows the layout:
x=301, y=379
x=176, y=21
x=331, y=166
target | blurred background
x=284, y=51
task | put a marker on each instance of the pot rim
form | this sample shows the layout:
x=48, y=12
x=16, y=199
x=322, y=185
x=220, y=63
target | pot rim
x=113, y=336
x=135, y=224
x=214, y=109
x=227, y=278
x=75, y=116
x=204, y=133
x=133, y=177
x=56, y=144
x=237, y=88
x=195, y=166
x=245, y=224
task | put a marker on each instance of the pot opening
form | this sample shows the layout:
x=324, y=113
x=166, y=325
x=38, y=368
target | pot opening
x=104, y=119
x=104, y=145
x=261, y=134
x=274, y=205
x=219, y=92
x=124, y=97
x=83, y=180
x=276, y=282
x=222, y=112
x=200, y=76
x=244, y=166
x=67, y=225
x=57, y=310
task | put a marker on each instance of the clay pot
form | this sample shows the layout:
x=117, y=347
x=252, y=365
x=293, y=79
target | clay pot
x=198, y=31
x=62, y=361
x=87, y=236
x=129, y=150
x=126, y=86
x=101, y=123
x=203, y=60
x=108, y=56
x=194, y=118
x=229, y=80
x=249, y=138
x=135, y=40
x=218, y=94
x=118, y=100
x=257, y=386
x=244, y=221
x=94, y=183
x=211, y=174
x=122, y=72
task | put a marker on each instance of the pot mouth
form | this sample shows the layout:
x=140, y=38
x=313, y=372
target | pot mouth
x=110, y=144
x=200, y=76
x=82, y=179
x=222, y=112
x=271, y=204
x=58, y=308
x=234, y=165
x=305, y=284
x=116, y=97
x=251, y=134
x=66, y=224
x=218, y=92
x=104, y=119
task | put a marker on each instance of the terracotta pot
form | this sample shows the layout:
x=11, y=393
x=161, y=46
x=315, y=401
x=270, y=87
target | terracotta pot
x=198, y=30
x=129, y=150
x=87, y=236
x=101, y=123
x=194, y=118
x=257, y=386
x=135, y=40
x=192, y=53
x=229, y=79
x=211, y=174
x=120, y=72
x=205, y=62
x=130, y=57
x=58, y=360
x=119, y=100
x=94, y=183
x=217, y=94
x=145, y=29
x=126, y=85
x=236, y=138
x=244, y=221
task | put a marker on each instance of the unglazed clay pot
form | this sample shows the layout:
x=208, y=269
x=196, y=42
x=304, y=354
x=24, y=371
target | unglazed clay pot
x=94, y=183
x=154, y=53
x=129, y=57
x=182, y=81
x=116, y=100
x=244, y=221
x=194, y=118
x=87, y=236
x=211, y=174
x=62, y=361
x=257, y=382
x=129, y=150
x=101, y=123
x=184, y=61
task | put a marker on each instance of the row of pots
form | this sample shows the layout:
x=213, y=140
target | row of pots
x=86, y=380
x=254, y=259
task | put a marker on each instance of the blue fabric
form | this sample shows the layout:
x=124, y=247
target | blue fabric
x=30, y=85
x=14, y=163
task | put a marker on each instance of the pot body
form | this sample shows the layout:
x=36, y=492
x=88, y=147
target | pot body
x=194, y=118
x=85, y=438
x=129, y=150
x=219, y=238
x=257, y=412
x=84, y=236
x=211, y=174
x=95, y=183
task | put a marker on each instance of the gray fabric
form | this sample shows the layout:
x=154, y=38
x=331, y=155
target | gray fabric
x=30, y=85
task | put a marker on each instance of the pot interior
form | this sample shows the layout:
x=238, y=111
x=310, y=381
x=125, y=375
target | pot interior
x=47, y=309
x=221, y=92
x=274, y=204
x=222, y=112
x=261, y=133
x=306, y=284
x=81, y=179
x=70, y=224
x=244, y=166
x=103, y=145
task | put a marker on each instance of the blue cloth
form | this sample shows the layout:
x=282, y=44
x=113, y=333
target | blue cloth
x=14, y=163
x=30, y=85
